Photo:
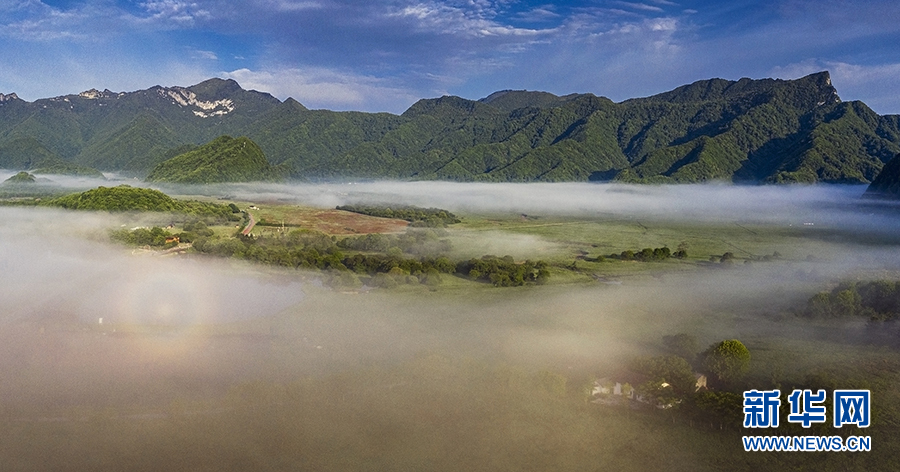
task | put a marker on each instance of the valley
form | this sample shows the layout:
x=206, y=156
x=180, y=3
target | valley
x=198, y=354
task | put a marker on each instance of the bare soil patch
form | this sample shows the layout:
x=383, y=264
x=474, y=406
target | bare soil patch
x=327, y=221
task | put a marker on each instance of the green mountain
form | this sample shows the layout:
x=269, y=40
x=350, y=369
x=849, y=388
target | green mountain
x=20, y=178
x=887, y=183
x=770, y=131
x=29, y=154
x=225, y=159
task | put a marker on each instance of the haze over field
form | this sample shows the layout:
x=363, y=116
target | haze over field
x=58, y=258
x=181, y=336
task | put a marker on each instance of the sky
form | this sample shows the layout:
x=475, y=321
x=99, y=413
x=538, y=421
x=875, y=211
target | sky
x=383, y=55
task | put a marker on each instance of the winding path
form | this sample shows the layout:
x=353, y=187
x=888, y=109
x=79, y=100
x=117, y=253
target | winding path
x=250, y=224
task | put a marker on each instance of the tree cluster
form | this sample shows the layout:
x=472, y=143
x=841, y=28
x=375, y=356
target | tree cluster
x=504, y=271
x=646, y=255
x=413, y=241
x=380, y=261
x=193, y=230
x=419, y=217
x=877, y=300
x=672, y=370
x=153, y=237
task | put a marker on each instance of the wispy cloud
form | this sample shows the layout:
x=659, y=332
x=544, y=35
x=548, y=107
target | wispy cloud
x=445, y=19
x=207, y=55
x=324, y=88
x=539, y=14
x=35, y=21
x=640, y=6
x=290, y=5
x=178, y=12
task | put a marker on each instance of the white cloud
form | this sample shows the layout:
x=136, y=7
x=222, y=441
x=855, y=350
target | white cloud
x=317, y=87
x=179, y=12
x=208, y=55
x=446, y=19
x=290, y=5
x=541, y=13
x=40, y=22
x=640, y=6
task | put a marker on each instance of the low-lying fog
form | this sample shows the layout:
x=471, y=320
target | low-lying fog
x=57, y=269
x=823, y=204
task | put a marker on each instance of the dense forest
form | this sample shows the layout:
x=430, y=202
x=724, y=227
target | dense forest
x=876, y=300
x=766, y=130
x=224, y=159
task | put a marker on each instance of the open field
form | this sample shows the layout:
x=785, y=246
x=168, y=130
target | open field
x=327, y=221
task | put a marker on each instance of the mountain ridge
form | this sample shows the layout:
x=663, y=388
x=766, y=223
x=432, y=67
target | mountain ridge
x=746, y=130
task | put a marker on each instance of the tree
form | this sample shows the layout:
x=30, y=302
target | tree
x=682, y=344
x=672, y=370
x=728, y=360
x=722, y=406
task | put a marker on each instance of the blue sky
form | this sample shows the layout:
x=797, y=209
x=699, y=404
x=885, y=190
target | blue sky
x=373, y=55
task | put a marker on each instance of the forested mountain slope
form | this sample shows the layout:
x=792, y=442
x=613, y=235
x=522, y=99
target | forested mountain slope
x=767, y=130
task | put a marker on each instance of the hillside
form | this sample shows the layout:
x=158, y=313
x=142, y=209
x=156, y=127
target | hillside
x=225, y=159
x=30, y=155
x=768, y=130
x=124, y=198
x=887, y=183
x=22, y=178
x=121, y=198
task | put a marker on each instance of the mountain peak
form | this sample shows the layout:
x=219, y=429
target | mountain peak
x=807, y=92
x=822, y=78
x=94, y=94
x=216, y=87
x=291, y=103
x=9, y=97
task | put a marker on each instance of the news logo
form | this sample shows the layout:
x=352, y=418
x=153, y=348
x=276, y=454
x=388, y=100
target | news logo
x=850, y=407
x=761, y=408
x=805, y=407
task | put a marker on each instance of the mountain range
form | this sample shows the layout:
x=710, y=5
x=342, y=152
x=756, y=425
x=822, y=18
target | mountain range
x=767, y=130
